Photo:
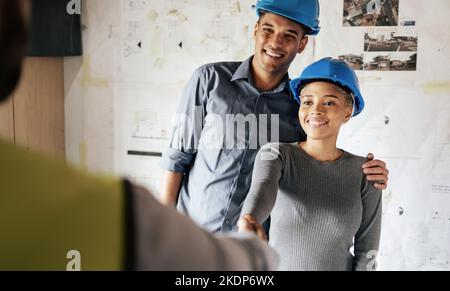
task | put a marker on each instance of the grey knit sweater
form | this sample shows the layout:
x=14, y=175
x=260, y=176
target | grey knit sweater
x=319, y=210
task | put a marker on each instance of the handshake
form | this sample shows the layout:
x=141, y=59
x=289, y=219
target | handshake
x=249, y=223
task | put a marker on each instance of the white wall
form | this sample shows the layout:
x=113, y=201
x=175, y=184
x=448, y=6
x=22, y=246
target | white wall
x=122, y=93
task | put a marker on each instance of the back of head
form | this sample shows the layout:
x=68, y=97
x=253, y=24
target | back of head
x=305, y=12
x=13, y=38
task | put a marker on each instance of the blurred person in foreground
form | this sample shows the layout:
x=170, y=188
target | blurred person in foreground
x=48, y=210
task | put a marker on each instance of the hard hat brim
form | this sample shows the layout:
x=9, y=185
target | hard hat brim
x=311, y=30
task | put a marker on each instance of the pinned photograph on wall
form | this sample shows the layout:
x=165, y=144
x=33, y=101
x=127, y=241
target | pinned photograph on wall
x=390, y=62
x=390, y=41
x=356, y=61
x=371, y=12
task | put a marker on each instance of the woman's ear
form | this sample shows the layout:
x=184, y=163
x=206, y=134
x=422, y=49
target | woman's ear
x=348, y=113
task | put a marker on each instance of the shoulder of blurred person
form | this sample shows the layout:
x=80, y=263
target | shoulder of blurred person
x=48, y=209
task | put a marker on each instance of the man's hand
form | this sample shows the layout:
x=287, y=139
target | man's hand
x=248, y=223
x=376, y=172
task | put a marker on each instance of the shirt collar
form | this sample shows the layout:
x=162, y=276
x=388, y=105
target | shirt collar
x=244, y=72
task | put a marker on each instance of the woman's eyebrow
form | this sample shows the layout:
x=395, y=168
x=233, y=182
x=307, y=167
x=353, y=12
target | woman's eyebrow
x=326, y=95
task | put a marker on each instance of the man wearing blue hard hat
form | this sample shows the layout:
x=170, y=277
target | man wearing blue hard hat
x=210, y=183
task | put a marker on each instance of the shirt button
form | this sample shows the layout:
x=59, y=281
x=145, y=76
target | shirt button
x=227, y=221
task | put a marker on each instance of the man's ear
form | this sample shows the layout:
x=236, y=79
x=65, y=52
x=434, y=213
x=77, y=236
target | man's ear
x=255, y=29
x=25, y=6
x=302, y=45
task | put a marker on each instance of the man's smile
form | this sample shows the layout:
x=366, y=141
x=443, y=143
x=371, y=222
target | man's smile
x=273, y=54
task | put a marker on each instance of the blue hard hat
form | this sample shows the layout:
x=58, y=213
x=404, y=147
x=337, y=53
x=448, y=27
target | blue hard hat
x=305, y=12
x=335, y=71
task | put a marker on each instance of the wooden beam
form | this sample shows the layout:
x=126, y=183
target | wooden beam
x=7, y=120
x=39, y=106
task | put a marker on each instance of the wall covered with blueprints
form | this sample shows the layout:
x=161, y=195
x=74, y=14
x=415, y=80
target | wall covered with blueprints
x=138, y=55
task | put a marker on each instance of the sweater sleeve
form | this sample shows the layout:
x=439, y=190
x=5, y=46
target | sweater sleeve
x=264, y=188
x=367, y=239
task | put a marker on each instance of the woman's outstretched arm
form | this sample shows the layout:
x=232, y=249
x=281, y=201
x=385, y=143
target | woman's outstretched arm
x=267, y=173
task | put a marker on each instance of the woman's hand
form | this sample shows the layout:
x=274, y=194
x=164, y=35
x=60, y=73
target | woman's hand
x=248, y=223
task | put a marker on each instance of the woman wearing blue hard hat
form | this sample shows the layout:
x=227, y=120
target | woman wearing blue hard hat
x=321, y=204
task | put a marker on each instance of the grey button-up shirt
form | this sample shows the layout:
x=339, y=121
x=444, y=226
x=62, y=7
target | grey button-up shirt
x=222, y=121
